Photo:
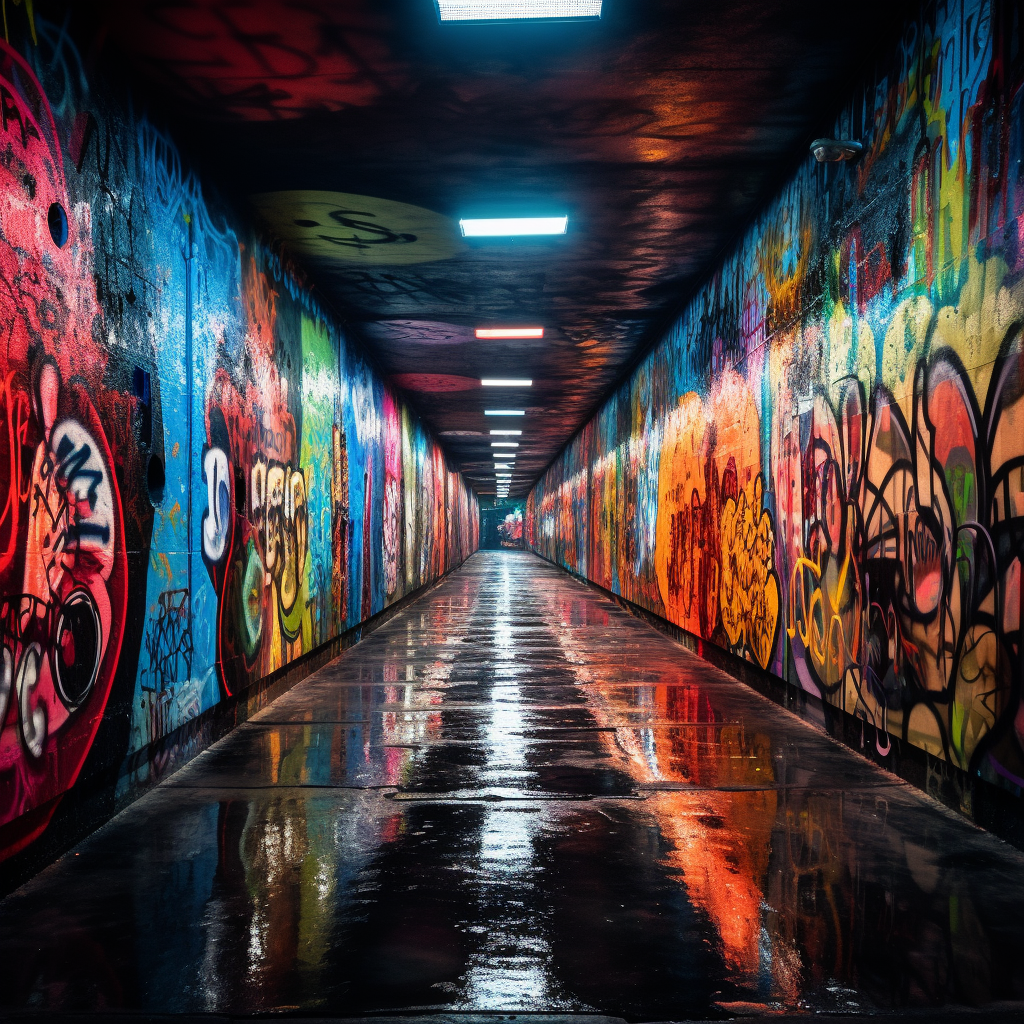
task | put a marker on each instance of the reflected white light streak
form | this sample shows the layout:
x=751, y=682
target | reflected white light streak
x=511, y=967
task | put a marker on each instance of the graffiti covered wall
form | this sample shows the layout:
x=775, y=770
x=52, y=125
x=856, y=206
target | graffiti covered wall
x=821, y=467
x=202, y=479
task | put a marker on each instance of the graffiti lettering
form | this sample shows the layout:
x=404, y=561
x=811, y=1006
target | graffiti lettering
x=218, y=495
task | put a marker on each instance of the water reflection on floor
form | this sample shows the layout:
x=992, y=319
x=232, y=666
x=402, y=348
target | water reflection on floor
x=514, y=796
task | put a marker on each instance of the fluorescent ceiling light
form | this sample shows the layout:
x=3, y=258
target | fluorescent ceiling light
x=506, y=382
x=504, y=412
x=506, y=433
x=510, y=332
x=517, y=10
x=504, y=444
x=512, y=227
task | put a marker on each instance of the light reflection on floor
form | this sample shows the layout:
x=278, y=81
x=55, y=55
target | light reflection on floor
x=514, y=797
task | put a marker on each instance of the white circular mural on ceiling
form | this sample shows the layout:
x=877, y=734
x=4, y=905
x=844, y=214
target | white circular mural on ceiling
x=358, y=229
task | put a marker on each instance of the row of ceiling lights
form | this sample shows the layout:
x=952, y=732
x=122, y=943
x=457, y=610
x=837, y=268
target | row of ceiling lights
x=503, y=459
x=504, y=453
x=512, y=227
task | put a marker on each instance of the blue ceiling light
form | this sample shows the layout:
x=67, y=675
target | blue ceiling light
x=519, y=10
x=512, y=227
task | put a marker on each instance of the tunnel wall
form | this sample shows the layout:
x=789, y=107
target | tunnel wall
x=203, y=479
x=820, y=468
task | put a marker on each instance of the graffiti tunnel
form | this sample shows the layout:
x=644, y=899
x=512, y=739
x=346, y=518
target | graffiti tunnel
x=511, y=508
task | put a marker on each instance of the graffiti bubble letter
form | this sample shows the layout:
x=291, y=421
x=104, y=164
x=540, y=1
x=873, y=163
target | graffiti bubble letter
x=218, y=504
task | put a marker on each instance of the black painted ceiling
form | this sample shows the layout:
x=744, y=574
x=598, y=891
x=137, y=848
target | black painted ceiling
x=658, y=130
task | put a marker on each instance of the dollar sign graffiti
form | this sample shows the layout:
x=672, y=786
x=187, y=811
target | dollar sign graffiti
x=379, y=234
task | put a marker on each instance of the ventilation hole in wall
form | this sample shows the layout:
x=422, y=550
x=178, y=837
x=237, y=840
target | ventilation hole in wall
x=141, y=388
x=155, y=479
x=141, y=384
x=239, y=491
x=57, y=220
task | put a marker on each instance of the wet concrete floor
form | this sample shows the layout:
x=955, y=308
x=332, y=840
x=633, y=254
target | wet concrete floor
x=516, y=797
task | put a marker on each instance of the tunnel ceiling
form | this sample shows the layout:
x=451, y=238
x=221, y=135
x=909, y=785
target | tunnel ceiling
x=361, y=130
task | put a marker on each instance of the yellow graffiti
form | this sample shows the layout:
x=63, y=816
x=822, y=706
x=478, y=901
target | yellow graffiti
x=814, y=616
x=749, y=593
x=715, y=542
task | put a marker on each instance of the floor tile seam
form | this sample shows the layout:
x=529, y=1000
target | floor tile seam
x=278, y=787
x=525, y=798
x=447, y=741
x=553, y=729
x=552, y=735
x=643, y=793
x=388, y=708
x=358, y=684
x=320, y=721
x=852, y=787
